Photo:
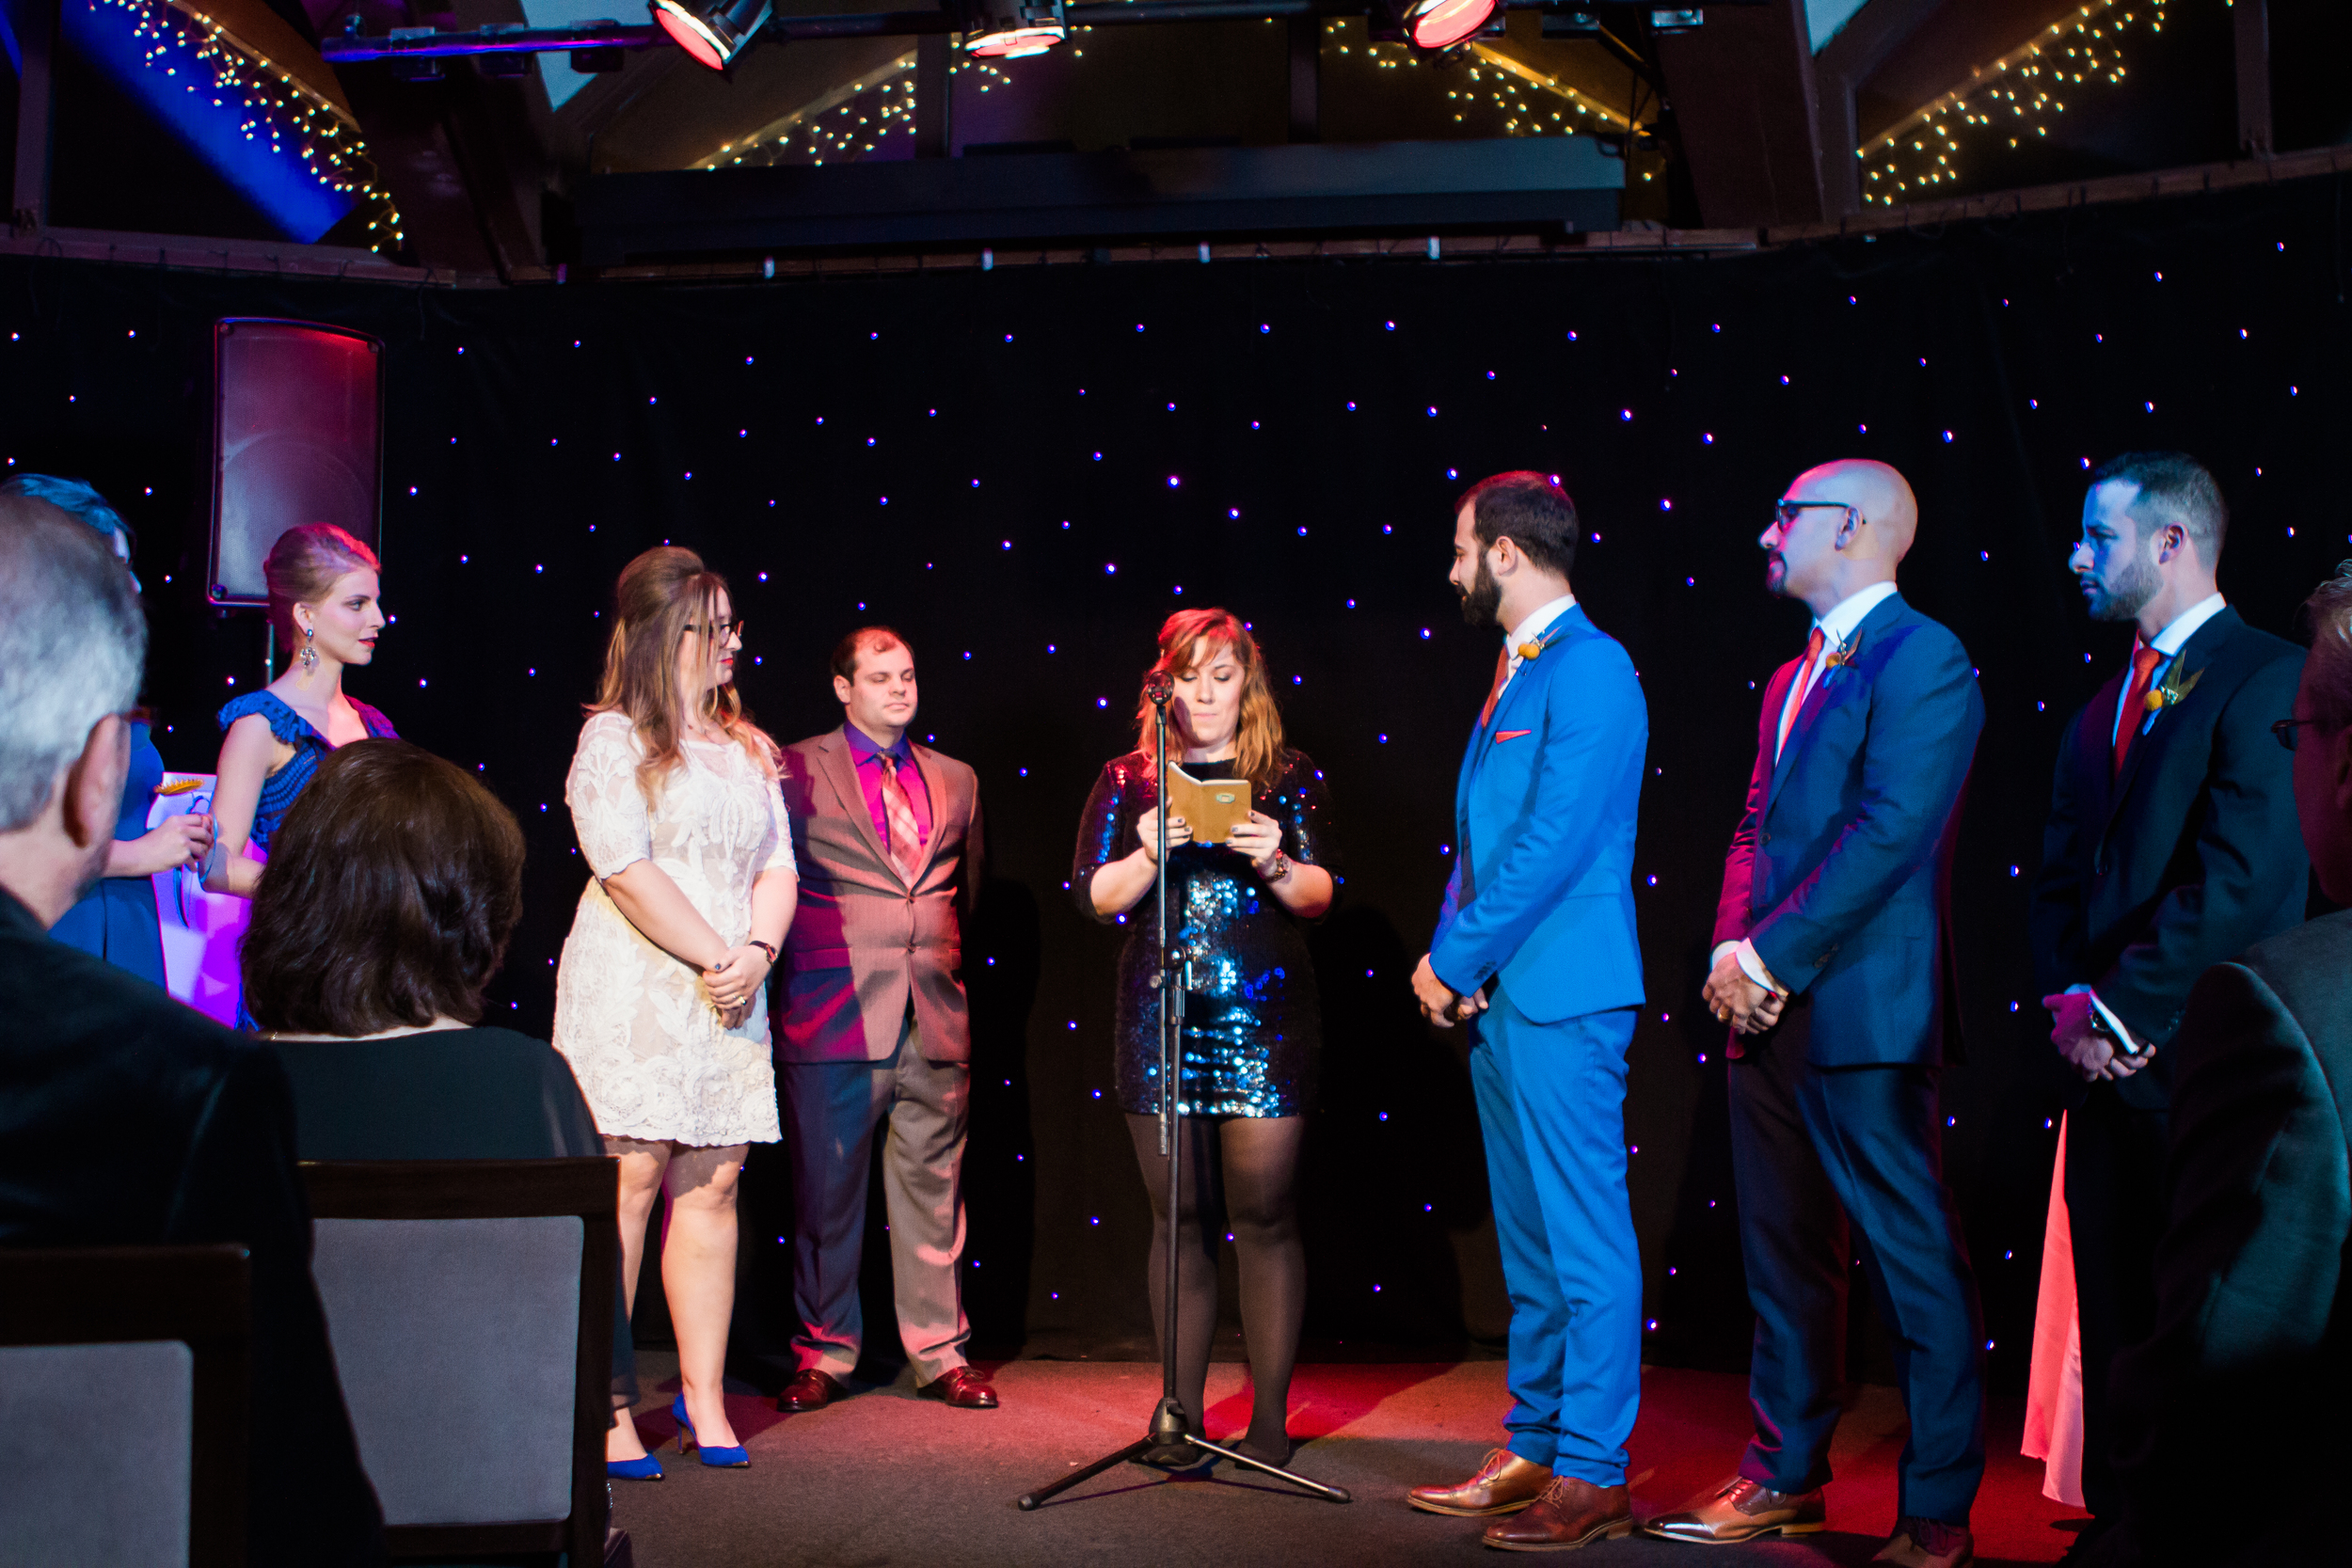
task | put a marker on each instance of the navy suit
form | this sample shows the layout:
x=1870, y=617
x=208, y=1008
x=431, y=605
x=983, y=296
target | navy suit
x=2187, y=857
x=1540, y=906
x=1839, y=875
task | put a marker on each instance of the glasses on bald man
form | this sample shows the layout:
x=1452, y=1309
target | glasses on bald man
x=1785, y=513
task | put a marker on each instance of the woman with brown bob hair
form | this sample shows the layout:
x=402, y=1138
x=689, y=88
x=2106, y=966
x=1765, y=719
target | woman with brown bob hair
x=381, y=916
x=1253, y=1019
x=661, y=998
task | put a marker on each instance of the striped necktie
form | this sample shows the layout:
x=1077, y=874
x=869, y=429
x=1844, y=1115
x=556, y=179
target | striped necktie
x=906, y=844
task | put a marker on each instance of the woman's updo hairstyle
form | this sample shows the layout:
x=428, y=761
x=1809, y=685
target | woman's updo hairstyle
x=302, y=566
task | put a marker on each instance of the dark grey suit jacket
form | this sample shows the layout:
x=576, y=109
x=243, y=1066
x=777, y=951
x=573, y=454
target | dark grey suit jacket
x=863, y=939
x=2241, y=1391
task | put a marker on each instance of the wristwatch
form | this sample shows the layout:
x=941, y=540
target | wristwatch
x=764, y=947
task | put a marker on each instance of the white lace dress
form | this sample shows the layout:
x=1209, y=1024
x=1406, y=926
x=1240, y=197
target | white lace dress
x=639, y=1029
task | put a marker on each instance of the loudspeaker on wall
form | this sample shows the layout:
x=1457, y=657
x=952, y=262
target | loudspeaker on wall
x=297, y=437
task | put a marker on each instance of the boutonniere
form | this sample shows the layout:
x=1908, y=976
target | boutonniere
x=1842, y=654
x=2177, y=684
x=1535, y=645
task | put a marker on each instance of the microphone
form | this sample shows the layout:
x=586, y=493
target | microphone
x=1158, y=687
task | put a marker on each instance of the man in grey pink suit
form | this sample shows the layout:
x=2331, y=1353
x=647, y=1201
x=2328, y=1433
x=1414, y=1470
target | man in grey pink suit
x=873, y=1027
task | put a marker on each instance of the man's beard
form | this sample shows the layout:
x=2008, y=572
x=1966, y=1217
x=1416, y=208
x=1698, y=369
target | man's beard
x=2128, y=598
x=1482, y=601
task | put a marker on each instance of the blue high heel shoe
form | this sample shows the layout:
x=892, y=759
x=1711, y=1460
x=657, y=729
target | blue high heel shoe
x=647, y=1468
x=718, y=1459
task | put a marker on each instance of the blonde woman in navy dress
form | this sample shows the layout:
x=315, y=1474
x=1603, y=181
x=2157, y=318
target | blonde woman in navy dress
x=324, y=601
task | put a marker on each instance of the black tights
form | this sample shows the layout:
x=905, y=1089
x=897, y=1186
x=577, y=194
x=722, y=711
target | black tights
x=1248, y=1165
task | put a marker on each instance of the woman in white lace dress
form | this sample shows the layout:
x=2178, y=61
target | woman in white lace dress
x=661, y=1000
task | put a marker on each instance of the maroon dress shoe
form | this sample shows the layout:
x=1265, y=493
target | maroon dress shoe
x=1571, y=1512
x=961, y=1387
x=1929, y=1544
x=811, y=1390
x=1741, y=1510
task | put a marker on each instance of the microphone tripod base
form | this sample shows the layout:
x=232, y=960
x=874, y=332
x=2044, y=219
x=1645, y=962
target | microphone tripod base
x=1168, y=1430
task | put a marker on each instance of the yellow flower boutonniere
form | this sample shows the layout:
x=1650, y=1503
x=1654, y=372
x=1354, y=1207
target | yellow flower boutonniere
x=1842, y=654
x=1528, y=650
x=2169, y=691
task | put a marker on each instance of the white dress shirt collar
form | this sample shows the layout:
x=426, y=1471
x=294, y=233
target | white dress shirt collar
x=2172, y=638
x=1837, y=626
x=1536, y=623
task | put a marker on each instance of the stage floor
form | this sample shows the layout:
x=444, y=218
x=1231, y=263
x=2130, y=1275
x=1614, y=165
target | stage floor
x=885, y=1478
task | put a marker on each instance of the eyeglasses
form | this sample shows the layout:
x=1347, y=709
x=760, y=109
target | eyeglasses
x=724, y=629
x=1785, y=513
x=2284, y=729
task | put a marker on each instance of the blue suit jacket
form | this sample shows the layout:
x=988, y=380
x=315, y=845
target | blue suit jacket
x=1840, y=871
x=1543, y=815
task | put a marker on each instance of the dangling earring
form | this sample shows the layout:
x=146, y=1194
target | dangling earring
x=310, y=656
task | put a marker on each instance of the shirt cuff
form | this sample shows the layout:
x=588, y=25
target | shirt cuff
x=1754, y=968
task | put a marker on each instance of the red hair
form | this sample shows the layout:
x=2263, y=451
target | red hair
x=1258, y=738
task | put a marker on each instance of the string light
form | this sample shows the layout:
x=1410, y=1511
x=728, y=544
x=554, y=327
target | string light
x=277, y=110
x=2016, y=97
x=1495, y=81
x=846, y=125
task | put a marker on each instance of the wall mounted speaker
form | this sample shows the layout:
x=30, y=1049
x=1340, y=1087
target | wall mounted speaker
x=297, y=437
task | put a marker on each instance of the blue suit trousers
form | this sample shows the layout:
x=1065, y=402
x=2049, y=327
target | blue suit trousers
x=1551, y=1105
x=1812, y=1149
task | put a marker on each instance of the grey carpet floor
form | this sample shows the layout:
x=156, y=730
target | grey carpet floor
x=886, y=1479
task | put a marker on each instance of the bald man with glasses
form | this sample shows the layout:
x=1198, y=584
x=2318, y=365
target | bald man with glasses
x=1830, y=971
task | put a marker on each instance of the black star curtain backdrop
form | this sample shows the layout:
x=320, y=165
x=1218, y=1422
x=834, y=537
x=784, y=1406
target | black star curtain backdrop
x=1026, y=469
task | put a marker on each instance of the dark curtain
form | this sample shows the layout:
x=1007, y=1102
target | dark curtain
x=1026, y=470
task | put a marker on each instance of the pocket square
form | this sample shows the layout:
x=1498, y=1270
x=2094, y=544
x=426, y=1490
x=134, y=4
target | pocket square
x=1502, y=735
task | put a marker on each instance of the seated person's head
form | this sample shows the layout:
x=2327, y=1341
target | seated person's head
x=73, y=645
x=387, y=900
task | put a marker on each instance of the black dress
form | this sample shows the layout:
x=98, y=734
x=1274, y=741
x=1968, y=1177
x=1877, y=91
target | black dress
x=449, y=1093
x=1253, y=1020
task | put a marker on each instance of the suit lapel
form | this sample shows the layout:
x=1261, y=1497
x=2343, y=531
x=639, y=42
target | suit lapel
x=1881, y=614
x=951, y=805
x=841, y=772
x=1572, y=619
x=1775, y=698
x=2197, y=654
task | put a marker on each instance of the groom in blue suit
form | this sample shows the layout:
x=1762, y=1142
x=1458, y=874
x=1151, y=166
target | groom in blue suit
x=1535, y=949
x=1832, y=968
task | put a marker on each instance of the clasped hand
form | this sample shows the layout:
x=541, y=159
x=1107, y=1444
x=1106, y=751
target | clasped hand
x=1739, y=1001
x=734, y=981
x=2083, y=1043
x=1440, y=1004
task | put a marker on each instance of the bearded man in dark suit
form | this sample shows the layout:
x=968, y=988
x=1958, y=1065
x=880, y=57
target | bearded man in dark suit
x=2249, y=1367
x=2171, y=845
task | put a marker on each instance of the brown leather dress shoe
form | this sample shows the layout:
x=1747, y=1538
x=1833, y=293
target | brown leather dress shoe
x=1505, y=1484
x=1572, y=1513
x=961, y=1388
x=1929, y=1544
x=811, y=1390
x=1741, y=1510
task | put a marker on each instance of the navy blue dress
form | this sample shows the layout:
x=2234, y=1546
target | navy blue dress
x=115, y=920
x=279, y=788
x=1254, y=1020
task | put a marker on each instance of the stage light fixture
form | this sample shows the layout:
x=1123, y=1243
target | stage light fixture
x=1012, y=29
x=712, y=31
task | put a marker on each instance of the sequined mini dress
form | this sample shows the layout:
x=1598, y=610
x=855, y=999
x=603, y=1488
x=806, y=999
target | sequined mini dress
x=1254, y=1020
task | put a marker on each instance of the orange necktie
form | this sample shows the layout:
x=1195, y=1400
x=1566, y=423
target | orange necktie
x=1798, y=689
x=1494, y=692
x=2144, y=662
x=906, y=840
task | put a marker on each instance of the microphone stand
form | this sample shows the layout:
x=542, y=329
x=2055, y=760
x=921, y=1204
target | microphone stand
x=1173, y=979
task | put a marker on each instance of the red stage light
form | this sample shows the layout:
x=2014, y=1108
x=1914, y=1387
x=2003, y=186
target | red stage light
x=1442, y=23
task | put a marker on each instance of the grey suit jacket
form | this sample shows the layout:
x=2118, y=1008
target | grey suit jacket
x=862, y=940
